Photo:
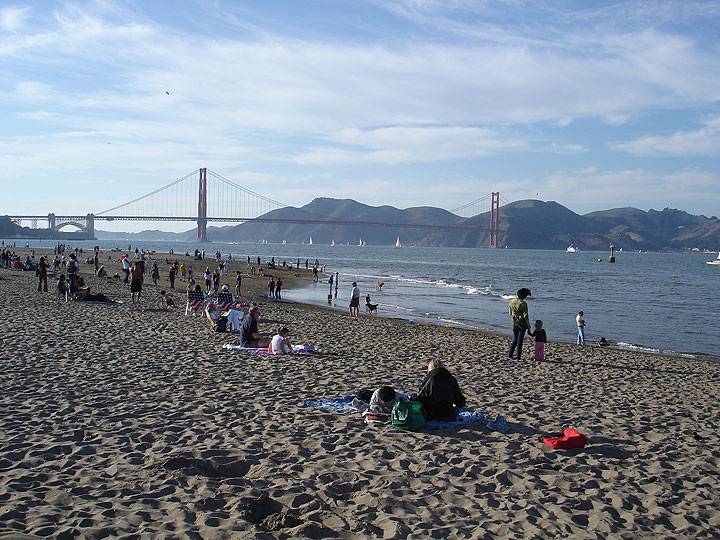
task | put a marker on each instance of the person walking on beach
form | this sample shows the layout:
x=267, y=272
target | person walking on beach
x=208, y=279
x=136, y=282
x=183, y=271
x=278, y=289
x=355, y=300
x=271, y=287
x=126, y=268
x=42, y=269
x=580, y=321
x=520, y=321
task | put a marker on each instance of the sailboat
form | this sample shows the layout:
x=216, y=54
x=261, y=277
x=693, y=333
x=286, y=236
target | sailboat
x=715, y=262
x=397, y=242
x=360, y=243
x=310, y=242
x=333, y=242
x=571, y=248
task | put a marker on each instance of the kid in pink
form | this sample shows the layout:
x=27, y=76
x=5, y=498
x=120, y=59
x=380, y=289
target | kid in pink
x=540, y=340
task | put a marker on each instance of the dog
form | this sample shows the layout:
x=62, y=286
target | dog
x=369, y=307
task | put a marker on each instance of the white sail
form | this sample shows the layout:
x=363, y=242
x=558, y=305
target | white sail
x=397, y=242
x=310, y=240
x=332, y=243
x=360, y=243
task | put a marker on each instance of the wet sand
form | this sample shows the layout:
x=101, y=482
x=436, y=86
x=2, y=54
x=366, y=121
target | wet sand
x=123, y=420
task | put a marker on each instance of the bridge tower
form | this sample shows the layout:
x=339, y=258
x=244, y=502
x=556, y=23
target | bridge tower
x=202, y=206
x=90, y=225
x=494, y=218
x=52, y=222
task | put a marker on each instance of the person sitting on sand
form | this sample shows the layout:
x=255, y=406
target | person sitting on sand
x=440, y=393
x=280, y=343
x=602, y=342
x=83, y=294
x=166, y=300
x=250, y=336
x=381, y=404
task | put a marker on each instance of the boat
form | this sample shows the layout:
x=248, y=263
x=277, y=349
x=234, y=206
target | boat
x=360, y=243
x=397, y=242
x=716, y=262
x=284, y=242
x=310, y=242
x=572, y=248
x=332, y=243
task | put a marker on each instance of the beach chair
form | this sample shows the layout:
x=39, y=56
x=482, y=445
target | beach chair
x=195, y=301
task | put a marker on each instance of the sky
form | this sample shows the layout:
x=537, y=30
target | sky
x=414, y=102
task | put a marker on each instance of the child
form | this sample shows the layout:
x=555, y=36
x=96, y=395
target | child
x=540, y=340
x=166, y=300
x=381, y=404
x=280, y=343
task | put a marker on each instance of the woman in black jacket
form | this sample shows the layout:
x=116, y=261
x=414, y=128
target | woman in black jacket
x=440, y=393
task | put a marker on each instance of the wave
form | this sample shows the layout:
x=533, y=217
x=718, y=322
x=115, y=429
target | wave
x=632, y=347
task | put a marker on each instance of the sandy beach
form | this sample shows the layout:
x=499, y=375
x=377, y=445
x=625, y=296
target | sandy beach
x=126, y=421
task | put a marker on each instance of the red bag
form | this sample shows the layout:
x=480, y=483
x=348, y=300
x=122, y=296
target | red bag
x=570, y=439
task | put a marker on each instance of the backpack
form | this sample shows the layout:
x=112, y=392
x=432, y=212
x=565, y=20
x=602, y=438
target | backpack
x=408, y=415
x=221, y=324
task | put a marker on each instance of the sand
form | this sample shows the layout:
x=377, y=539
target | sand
x=132, y=421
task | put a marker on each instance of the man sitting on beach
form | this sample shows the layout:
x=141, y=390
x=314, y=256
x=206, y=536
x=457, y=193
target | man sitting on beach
x=381, y=404
x=250, y=337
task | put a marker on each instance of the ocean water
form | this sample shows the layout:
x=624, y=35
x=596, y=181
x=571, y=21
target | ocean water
x=660, y=302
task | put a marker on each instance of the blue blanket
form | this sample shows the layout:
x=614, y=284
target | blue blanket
x=344, y=405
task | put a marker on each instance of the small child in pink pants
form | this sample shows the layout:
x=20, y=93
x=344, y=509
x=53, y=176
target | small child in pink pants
x=540, y=340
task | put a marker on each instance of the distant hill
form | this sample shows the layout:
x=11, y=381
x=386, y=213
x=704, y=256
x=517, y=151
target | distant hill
x=345, y=210
x=522, y=224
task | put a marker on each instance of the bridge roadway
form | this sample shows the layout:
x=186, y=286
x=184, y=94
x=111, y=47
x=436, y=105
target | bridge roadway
x=60, y=218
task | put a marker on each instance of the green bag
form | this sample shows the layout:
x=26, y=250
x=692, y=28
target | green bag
x=408, y=415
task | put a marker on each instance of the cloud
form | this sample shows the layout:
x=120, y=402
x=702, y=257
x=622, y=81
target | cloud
x=701, y=142
x=12, y=19
x=421, y=144
x=591, y=189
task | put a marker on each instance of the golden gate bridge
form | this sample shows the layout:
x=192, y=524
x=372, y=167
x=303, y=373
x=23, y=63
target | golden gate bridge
x=189, y=199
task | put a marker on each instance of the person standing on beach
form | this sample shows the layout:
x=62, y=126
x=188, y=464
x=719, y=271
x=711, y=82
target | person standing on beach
x=580, y=321
x=355, y=300
x=183, y=271
x=136, y=282
x=278, y=289
x=42, y=275
x=126, y=268
x=171, y=275
x=271, y=287
x=208, y=279
x=520, y=321
x=238, y=283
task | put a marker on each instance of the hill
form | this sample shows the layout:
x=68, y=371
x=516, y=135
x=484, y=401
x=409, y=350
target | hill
x=523, y=224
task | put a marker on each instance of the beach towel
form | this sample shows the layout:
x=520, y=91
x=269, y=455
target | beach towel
x=341, y=405
x=350, y=405
x=263, y=351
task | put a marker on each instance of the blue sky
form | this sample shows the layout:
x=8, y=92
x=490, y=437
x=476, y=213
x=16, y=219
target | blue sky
x=415, y=102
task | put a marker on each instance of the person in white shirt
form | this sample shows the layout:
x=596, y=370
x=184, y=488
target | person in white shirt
x=126, y=268
x=234, y=318
x=581, y=328
x=355, y=300
x=280, y=343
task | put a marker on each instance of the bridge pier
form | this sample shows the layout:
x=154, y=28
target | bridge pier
x=494, y=217
x=202, y=206
x=90, y=225
x=52, y=222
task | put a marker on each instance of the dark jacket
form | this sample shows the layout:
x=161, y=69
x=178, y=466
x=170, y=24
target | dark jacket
x=439, y=393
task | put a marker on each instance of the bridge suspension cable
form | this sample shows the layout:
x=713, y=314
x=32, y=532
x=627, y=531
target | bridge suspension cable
x=147, y=195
